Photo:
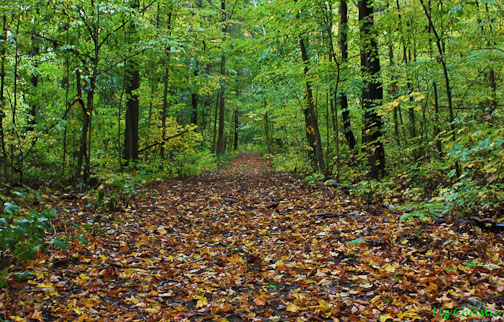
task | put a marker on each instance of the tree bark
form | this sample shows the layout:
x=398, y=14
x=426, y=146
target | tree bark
x=35, y=51
x=266, y=130
x=347, y=126
x=312, y=129
x=372, y=93
x=165, y=93
x=221, y=143
x=236, y=123
x=3, y=38
x=132, y=101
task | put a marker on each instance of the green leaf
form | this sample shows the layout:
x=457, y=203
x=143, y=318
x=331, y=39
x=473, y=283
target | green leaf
x=357, y=241
x=61, y=244
x=82, y=239
x=11, y=208
x=273, y=285
x=471, y=263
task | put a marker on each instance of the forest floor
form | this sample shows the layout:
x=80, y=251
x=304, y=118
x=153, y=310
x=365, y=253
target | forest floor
x=250, y=244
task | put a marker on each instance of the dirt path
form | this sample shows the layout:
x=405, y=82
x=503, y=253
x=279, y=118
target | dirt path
x=249, y=244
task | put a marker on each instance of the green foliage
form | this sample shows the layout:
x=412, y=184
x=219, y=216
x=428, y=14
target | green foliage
x=291, y=161
x=23, y=231
x=197, y=162
x=421, y=211
x=315, y=178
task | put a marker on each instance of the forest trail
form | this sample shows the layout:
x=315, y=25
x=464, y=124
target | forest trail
x=250, y=244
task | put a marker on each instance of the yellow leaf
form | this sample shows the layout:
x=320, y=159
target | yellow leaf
x=202, y=301
x=45, y=285
x=292, y=308
x=153, y=310
x=17, y=318
x=323, y=305
x=390, y=268
x=385, y=317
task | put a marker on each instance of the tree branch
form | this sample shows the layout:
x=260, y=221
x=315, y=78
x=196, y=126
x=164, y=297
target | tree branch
x=164, y=140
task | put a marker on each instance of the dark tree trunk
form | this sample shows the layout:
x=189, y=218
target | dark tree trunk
x=132, y=102
x=372, y=93
x=437, y=131
x=3, y=38
x=165, y=92
x=34, y=80
x=312, y=129
x=216, y=114
x=266, y=130
x=347, y=126
x=132, y=111
x=236, y=123
x=221, y=143
x=194, y=101
x=194, y=109
x=394, y=94
x=442, y=57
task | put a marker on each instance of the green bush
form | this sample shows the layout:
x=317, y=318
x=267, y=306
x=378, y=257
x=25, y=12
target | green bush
x=23, y=231
x=291, y=161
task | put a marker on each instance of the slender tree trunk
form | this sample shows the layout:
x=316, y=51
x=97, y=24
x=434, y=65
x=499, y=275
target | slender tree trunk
x=493, y=87
x=165, y=108
x=165, y=93
x=132, y=112
x=221, y=148
x=3, y=38
x=442, y=58
x=266, y=130
x=411, y=111
x=347, y=126
x=312, y=129
x=437, y=131
x=132, y=102
x=394, y=94
x=373, y=91
x=236, y=127
x=35, y=51
x=194, y=100
x=214, y=141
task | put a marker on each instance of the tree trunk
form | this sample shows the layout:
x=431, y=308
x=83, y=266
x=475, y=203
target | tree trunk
x=132, y=102
x=216, y=114
x=35, y=51
x=222, y=108
x=165, y=93
x=266, y=130
x=165, y=109
x=312, y=129
x=442, y=58
x=372, y=93
x=437, y=131
x=347, y=126
x=132, y=111
x=394, y=94
x=194, y=102
x=221, y=144
x=236, y=123
x=3, y=38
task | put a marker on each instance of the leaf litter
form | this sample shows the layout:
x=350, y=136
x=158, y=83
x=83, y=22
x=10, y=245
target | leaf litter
x=251, y=244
